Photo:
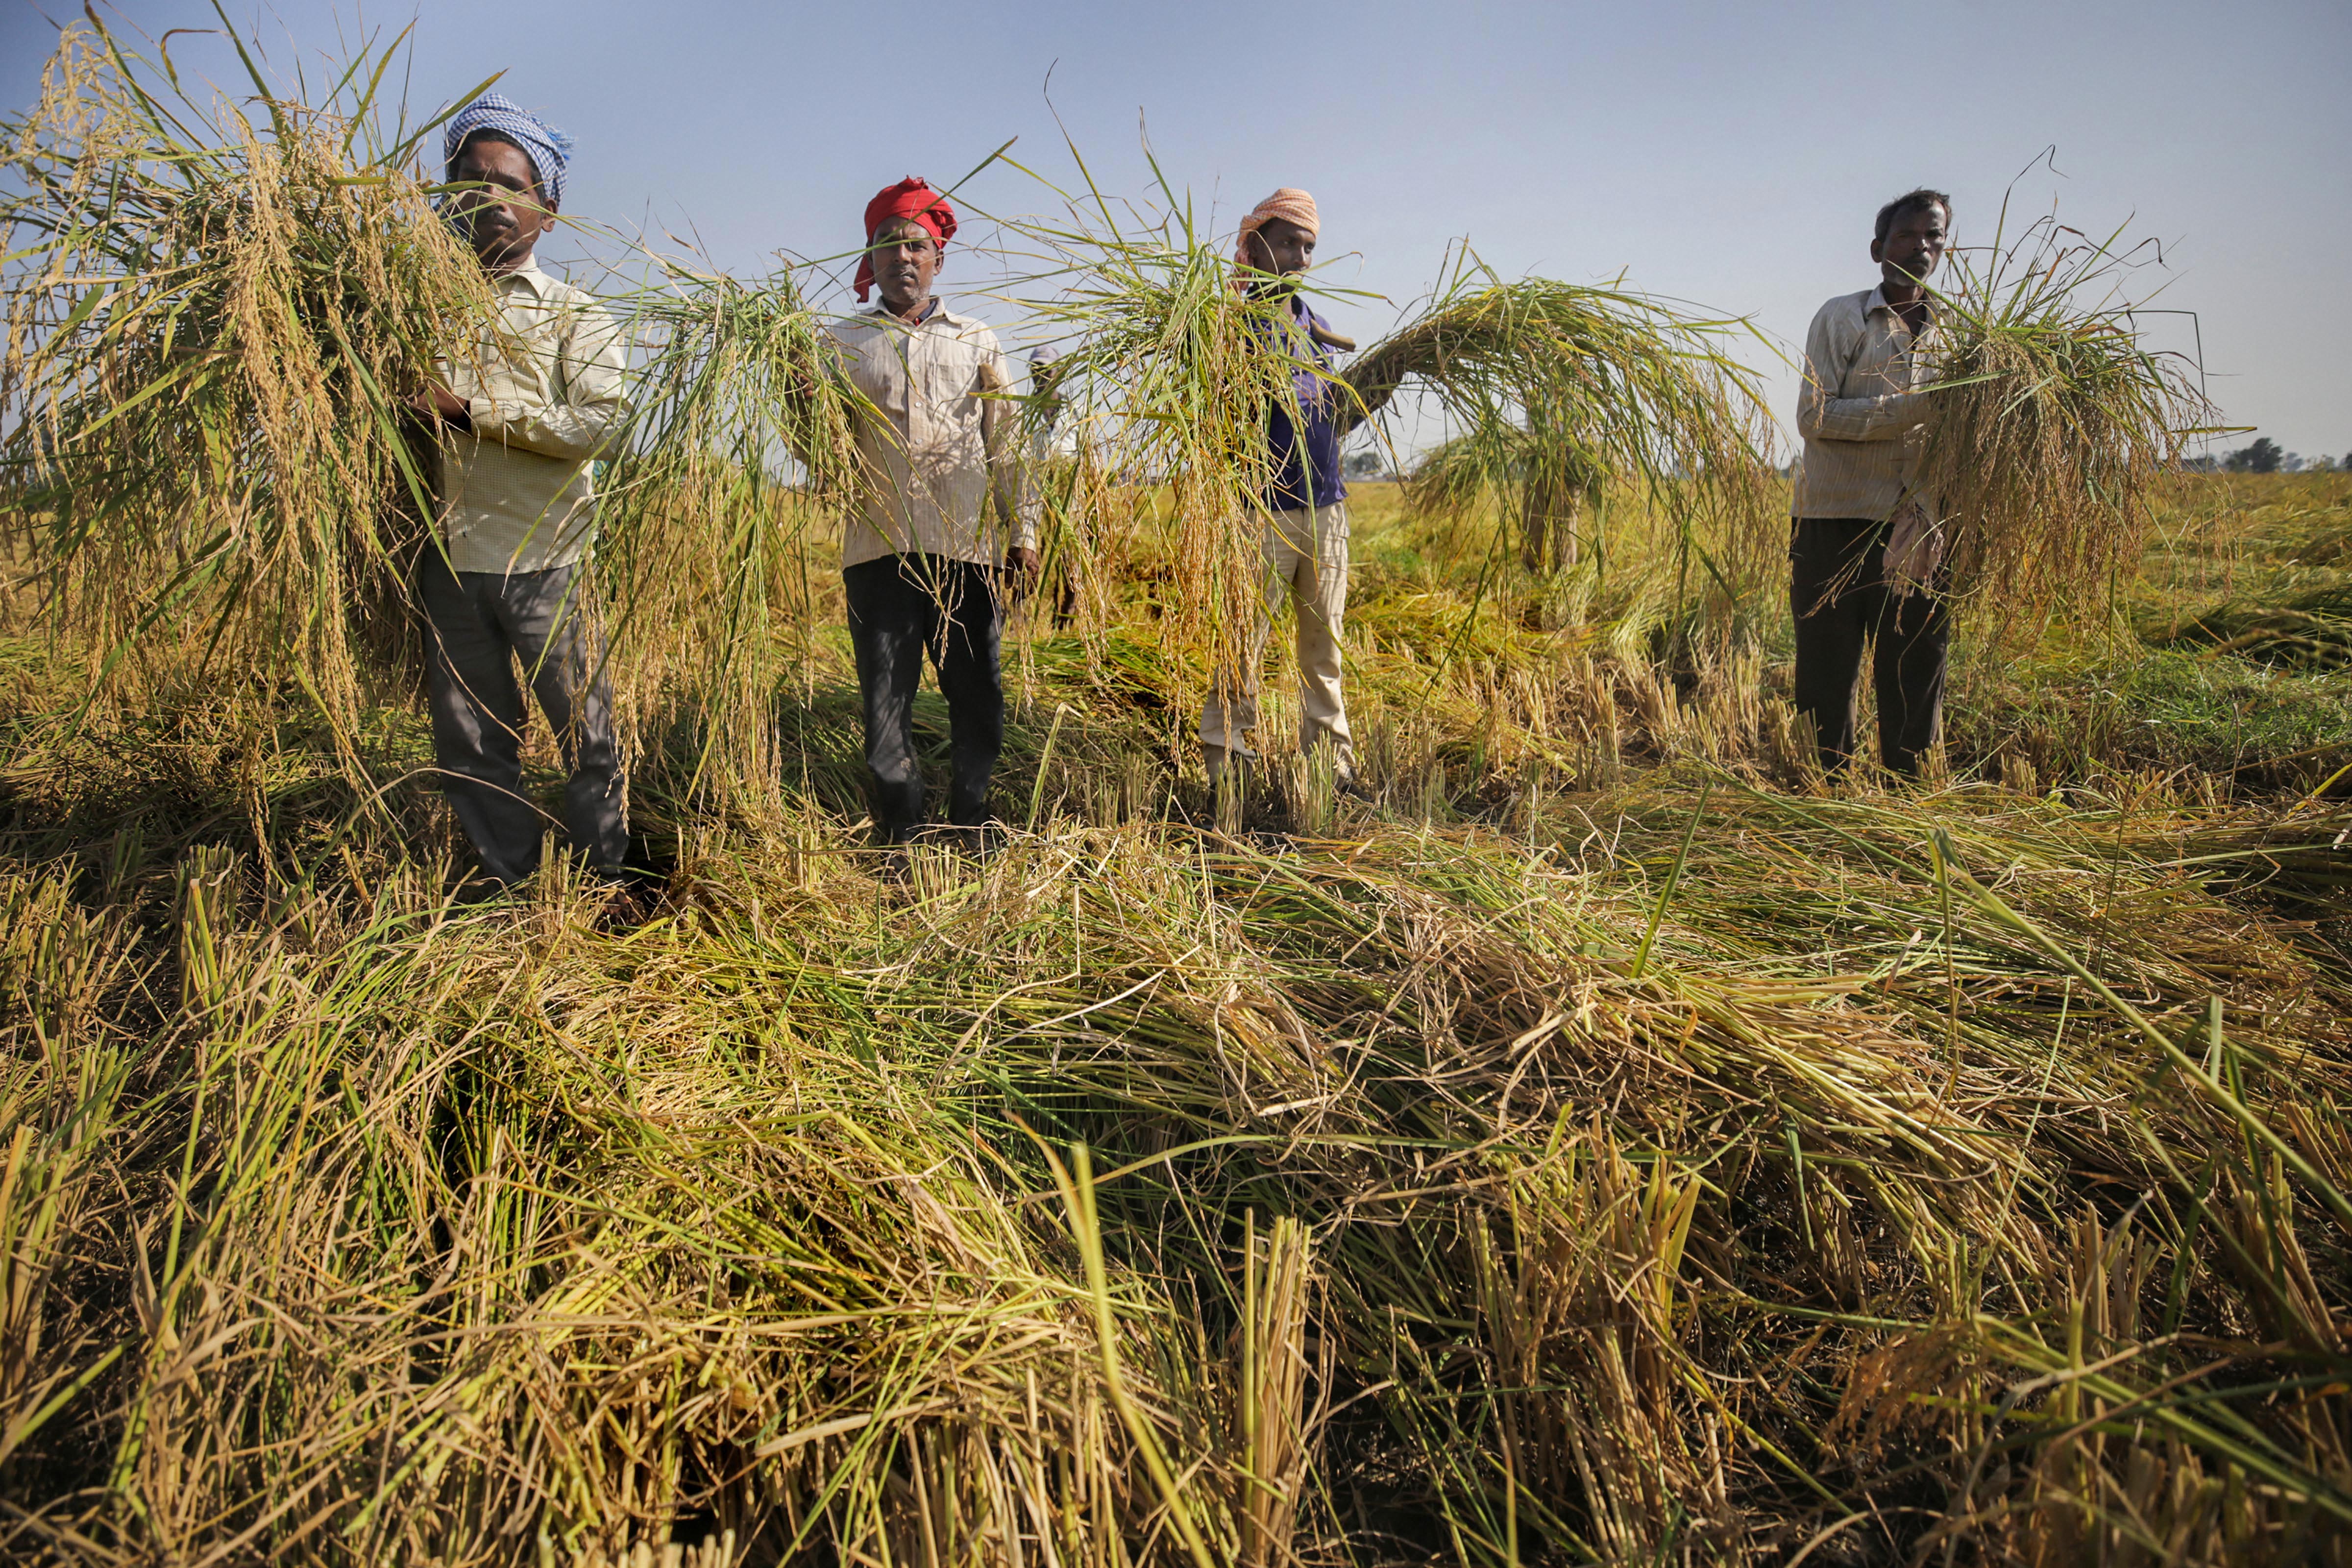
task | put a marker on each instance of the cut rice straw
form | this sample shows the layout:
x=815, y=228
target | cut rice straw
x=741, y=434
x=1549, y=382
x=1165, y=385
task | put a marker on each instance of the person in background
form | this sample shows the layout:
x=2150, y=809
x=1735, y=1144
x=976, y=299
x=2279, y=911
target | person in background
x=521, y=414
x=1865, y=550
x=1053, y=459
x=1303, y=511
x=921, y=557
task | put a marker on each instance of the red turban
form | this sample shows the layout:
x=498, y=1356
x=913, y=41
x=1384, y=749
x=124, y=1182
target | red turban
x=910, y=197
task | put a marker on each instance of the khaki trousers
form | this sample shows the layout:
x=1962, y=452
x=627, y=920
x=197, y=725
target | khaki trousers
x=1307, y=562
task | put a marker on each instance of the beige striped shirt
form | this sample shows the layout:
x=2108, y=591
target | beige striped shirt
x=942, y=445
x=545, y=391
x=1858, y=411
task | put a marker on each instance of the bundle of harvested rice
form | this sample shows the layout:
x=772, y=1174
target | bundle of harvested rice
x=2051, y=426
x=1164, y=386
x=739, y=435
x=1552, y=382
x=212, y=319
x=216, y=319
x=1174, y=367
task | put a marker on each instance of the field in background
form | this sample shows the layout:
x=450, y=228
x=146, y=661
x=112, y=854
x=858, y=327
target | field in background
x=1599, y=1142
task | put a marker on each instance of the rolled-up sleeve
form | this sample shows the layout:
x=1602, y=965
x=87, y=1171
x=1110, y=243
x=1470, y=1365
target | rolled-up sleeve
x=1830, y=349
x=578, y=416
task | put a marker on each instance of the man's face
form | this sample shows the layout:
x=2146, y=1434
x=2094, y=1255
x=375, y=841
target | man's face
x=1914, y=244
x=1282, y=248
x=505, y=214
x=905, y=259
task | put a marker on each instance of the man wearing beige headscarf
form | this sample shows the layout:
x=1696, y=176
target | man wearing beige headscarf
x=1303, y=508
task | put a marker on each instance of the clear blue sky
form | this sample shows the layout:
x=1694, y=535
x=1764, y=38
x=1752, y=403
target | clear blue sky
x=1731, y=156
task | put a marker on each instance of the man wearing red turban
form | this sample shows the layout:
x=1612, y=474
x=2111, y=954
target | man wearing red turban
x=919, y=557
x=911, y=198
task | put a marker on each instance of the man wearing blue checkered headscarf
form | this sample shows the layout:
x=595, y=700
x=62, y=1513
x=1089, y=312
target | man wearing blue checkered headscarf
x=549, y=150
x=520, y=415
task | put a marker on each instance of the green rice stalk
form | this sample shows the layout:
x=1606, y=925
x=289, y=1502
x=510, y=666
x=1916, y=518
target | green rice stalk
x=1552, y=487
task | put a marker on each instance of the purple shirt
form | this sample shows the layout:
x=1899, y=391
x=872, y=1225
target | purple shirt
x=1305, y=464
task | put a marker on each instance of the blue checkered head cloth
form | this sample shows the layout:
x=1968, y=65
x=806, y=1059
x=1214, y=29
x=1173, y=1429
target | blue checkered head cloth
x=549, y=150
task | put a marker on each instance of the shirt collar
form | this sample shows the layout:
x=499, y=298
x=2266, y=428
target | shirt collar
x=1876, y=300
x=939, y=312
x=530, y=276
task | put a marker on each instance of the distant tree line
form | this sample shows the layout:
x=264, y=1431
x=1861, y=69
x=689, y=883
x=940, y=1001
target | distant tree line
x=2264, y=456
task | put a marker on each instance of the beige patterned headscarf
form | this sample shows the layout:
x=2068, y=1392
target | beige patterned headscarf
x=1289, y=203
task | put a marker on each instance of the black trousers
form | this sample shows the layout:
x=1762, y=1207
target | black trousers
x=1838, y=586
x=900, y=607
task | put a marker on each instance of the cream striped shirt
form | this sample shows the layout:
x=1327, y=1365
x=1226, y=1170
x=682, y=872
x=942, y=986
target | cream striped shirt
x=1859, y=407
x=942, y=446
x=544, y=392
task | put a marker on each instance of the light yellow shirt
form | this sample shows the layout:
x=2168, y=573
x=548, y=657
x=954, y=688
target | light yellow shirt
x=545, y=391
x=939, y=444
x=1859, y=409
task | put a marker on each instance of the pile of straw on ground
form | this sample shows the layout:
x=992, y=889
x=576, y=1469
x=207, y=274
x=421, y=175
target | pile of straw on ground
x=1152, y=1190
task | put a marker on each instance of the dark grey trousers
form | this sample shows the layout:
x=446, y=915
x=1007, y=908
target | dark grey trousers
x=479, y=625
x=1838, y=586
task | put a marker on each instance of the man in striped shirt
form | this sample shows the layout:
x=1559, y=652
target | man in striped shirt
x=1862, y=566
